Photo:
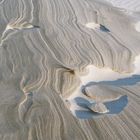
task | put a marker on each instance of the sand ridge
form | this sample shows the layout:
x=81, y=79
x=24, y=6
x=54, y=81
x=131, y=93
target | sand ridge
x=47, y=48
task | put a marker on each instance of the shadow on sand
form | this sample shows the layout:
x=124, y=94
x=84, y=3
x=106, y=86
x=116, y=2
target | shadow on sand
x=130, y=81
x=114, y=107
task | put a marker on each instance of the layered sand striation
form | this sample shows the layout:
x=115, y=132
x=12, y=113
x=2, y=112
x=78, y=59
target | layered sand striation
x=68, y=70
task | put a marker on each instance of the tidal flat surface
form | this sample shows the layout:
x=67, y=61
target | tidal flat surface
x=69, y=70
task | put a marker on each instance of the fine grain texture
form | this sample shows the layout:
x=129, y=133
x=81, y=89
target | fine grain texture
x=69, y=70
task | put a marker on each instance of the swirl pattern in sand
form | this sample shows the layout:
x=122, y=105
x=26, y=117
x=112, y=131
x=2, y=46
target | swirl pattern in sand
x=50, y=50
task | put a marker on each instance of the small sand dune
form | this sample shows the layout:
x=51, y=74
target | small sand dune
x=13, y=27
x=93, y=25
x=99, y=88
x=96, y=26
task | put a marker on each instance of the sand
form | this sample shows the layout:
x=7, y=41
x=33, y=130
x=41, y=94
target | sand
x=69, y=70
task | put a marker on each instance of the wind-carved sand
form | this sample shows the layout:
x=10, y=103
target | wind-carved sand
x=91, y=99
x=25, y=105
x=82, y=51
x=13, y=27
x=97, y=26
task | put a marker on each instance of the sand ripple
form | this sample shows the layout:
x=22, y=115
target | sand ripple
x=69, y=70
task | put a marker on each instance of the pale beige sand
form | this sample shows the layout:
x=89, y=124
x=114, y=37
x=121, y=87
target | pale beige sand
x=45, y=47
x=137, y=26
x=93, y=25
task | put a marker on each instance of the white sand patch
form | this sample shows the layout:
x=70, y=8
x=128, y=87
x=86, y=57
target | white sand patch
x=101, y=74
x=24, y=25
x=99, y=108
x=137, y=65
x=9, y=27
x=92, y=25
x=107, y=74
x=137, y=26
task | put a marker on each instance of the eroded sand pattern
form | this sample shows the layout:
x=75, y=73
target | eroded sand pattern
x=69, y=70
